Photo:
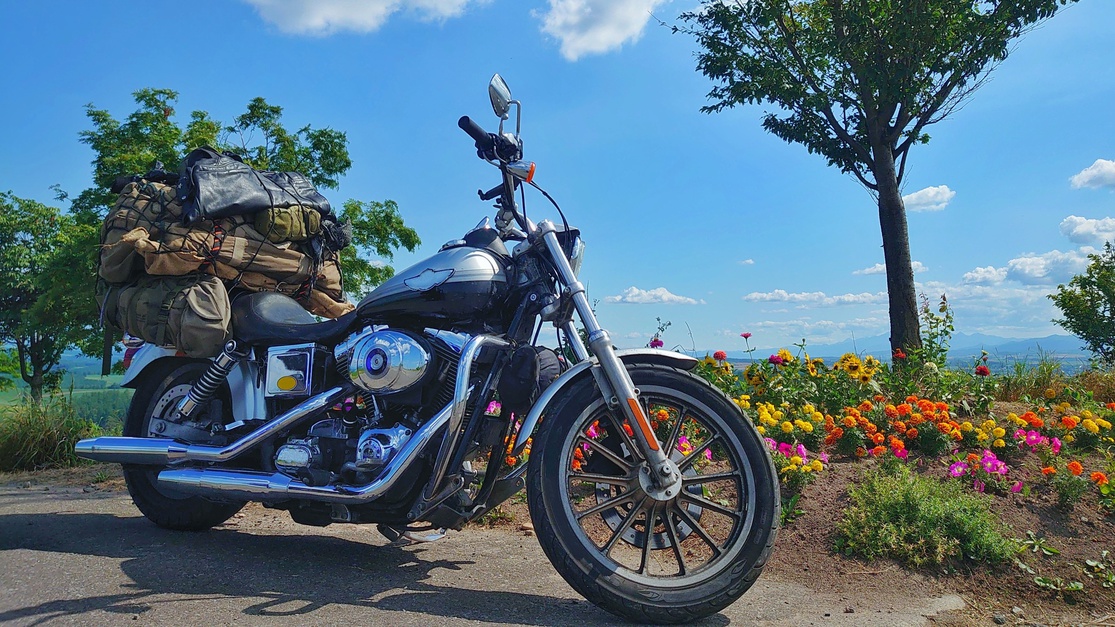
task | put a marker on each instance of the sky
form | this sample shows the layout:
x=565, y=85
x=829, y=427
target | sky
x=702, y=220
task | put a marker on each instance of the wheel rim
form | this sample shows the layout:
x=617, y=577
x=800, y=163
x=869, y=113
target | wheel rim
x=664, y=543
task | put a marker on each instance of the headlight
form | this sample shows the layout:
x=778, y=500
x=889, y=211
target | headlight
x=577, y=257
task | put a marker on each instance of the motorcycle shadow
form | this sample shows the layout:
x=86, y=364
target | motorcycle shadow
x=283, y=574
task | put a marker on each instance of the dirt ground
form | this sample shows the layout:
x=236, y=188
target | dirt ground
x=77, y=529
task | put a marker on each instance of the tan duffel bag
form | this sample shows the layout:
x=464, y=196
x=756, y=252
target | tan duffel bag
x=190, y=313
x=141, y=204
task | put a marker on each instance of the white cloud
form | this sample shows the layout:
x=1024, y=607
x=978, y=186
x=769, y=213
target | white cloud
x=596, y=26
x=658, y=295
x=747, y=262
x=325, y=17
x=1048, y=268
x=815, y=298
x=1085, y=231
x=1099, y=174
x=929, y=199
x=987, y=275
x=820, y=331
x=881, y=268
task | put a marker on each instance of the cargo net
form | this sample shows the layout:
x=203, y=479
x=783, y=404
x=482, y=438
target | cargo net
x=279, y=250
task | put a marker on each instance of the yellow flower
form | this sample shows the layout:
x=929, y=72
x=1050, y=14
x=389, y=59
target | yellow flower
x=817, y=417
x=816, y=465
x=1050, y=393
x=1090, y=425
x=988, y=425
x=998, y=443
x=1070, y=438
x=761, y=429
x=806, y=468
x=778, y=415
x=808, y=409
x=981, y=436
x=998, y=432
x=1087, y=414
x=804, y=426
x=786, y=355
x=795, y=460
x=967, y=426
x=1103, y=423
x=787, y=427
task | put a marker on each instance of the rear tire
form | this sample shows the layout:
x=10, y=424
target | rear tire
x=654, y=560
x=156, y=395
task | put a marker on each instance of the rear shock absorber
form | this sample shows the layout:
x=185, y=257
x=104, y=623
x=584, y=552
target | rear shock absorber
x=211, y=381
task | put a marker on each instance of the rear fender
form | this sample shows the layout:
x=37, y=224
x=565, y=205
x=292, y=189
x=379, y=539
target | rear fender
x=591, y=368
x=247, y=397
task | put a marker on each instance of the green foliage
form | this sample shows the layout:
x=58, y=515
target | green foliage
x=376, y=226
x=41, y=435
x=35, y=242
x=1088, y=305
x=920, y=521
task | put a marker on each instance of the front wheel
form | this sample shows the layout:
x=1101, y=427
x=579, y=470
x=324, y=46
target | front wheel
x=646, y=554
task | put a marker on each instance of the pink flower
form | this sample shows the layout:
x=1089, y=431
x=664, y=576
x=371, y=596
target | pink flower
x=1033, y=438
x=983, y=370
x=708, y=454
x=959, y=469
x=493, y=408
x=1017, y=487
x=745, y=335
x=824, y=458
x=901, y=453
x=771, y=444
x=657, y=343
x=775, y=359
x=1056, y=446
x=785, y=449
x=801, y=452
x=978, y=485
x=720, y=355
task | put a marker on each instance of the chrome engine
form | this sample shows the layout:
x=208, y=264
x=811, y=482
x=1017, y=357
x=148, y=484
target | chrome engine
x=386, y=361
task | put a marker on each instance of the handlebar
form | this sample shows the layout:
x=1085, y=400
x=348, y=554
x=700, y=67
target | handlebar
x=484, y=141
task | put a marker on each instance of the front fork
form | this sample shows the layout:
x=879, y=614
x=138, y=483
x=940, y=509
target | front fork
x=616, y=385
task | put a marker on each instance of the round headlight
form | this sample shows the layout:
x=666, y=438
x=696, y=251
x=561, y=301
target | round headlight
x=577, y=257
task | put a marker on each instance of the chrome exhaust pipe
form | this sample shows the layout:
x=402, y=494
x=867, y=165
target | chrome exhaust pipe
x=248, y=485
x=162, y=451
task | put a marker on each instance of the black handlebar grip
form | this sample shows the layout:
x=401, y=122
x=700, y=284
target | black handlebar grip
x=483, y=139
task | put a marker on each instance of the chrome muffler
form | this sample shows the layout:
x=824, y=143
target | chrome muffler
x=248, y=485
x=161, y=451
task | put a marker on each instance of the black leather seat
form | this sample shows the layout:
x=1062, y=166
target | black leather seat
x=271, y=319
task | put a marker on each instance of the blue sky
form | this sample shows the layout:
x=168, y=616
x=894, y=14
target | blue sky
x=699, y=219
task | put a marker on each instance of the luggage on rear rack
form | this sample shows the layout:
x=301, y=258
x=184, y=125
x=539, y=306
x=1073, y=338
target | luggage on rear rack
x=191, y=313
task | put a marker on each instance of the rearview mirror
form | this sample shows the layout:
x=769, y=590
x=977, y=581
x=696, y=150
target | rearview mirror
x=500, y=94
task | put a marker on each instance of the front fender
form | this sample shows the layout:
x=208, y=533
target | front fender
x=629, y=357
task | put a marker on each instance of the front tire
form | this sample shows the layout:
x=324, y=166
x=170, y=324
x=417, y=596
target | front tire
x=156, y=397
x=649, y=558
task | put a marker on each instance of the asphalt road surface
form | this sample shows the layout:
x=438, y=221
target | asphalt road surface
x=69, y=556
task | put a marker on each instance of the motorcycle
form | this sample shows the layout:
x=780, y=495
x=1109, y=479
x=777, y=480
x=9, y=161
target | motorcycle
x=650, y=491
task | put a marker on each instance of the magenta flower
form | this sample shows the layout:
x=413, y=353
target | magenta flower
x=978, y=485
x=901, y=453
x=493, y=408
x=785, y=449
x=959, y=469
x=745, y=335
x=708, y=454
x=771, y=443
x=801, y=452
x=1056, y=446
x=657, y=343
x=824, y=457
x=775, y=359
x=1017, y=487
x=1033, y=438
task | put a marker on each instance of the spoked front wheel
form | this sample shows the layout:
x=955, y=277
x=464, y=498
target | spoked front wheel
x=645, y=552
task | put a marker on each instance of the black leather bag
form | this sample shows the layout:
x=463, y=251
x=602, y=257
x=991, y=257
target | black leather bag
x=219, y=185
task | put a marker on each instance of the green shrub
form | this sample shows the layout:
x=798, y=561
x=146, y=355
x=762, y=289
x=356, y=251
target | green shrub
x=919, y=521
x=40, y=436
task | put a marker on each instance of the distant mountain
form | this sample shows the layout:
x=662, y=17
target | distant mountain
x=963, y=348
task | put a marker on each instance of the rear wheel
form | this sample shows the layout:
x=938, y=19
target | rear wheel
x=154, y=403
x=645, y=554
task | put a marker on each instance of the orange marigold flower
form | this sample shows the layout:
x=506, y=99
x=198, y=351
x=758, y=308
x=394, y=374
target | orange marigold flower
x=944, y=427
x=904, y=409
x=896, y=444
x=577, y=454
x=891, y=411
x=971, y=458
x=862, y=422
x=878, y=438
x=911, y=399
x=1069, y=422
x=942, y=406
x=1099, y=478
x=870, y=428
x=926, y=406
x=879, y=398
x=831, y=439
x=1111, y=406
x=511, y=460
x=899, y=426
x=577, y=465
x=860, y=451
x=838, y=432
x=629, y=430
x=911, y=433
x=849, y=421
x=1075, y=468
x=865, y=406
x=1049, y=470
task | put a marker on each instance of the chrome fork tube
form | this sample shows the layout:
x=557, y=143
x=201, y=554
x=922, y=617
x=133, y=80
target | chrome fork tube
x=664, y=472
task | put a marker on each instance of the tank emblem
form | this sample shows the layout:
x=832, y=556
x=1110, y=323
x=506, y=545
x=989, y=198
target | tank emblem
x=428, y=280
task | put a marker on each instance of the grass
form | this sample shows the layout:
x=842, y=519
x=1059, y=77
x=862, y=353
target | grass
x=920, y=521
x=34, y=436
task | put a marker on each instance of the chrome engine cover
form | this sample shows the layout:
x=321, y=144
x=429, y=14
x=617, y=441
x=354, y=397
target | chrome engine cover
x=387, y=362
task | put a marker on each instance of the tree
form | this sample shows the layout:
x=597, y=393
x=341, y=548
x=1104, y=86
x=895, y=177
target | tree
x=858, y=82
x=150, y=134
x=1088, y=305
x=32, y=316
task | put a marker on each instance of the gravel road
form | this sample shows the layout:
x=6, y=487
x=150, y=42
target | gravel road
x=85, y=556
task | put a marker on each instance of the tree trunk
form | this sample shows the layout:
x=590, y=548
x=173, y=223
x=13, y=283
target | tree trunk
x=904, y=330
